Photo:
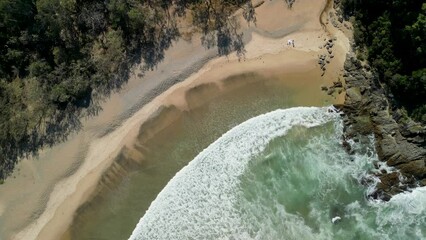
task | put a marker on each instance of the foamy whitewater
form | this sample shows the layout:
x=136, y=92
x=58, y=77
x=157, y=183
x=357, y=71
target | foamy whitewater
x=281, y=175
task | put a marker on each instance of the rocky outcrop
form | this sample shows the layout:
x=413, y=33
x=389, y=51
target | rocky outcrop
x=400, y=142
x=325, y=58
x=337, y=86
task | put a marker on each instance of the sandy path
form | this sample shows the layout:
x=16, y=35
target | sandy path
x=61, y=189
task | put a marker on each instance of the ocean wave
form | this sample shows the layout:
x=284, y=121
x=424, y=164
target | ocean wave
x=282, y=175
x=198, y=201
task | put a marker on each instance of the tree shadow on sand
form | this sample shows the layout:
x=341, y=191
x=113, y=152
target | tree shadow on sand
x=108, y=71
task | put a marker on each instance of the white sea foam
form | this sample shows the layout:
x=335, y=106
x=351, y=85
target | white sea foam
x=198, y=202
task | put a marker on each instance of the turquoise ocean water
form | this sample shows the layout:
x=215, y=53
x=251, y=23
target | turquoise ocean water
x=281, y=175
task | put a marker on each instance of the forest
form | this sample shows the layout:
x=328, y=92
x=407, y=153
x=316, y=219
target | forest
x=391, y=35
x=60, y=58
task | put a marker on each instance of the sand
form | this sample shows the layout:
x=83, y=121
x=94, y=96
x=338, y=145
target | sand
x=40, y=199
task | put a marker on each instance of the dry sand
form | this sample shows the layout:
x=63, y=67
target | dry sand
x=39, y=201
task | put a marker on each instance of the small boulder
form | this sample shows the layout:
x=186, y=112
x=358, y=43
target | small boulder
x=337, y=84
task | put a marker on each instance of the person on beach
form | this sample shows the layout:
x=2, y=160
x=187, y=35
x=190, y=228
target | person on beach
x=292, y=42
x=289, y=42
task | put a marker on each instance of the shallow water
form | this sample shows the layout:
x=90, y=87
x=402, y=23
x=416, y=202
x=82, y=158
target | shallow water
x=116, y=210
x=289, y=185
x=282, y=175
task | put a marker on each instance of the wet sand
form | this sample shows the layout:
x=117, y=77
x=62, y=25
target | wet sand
x=170, y=140
x=40, y=199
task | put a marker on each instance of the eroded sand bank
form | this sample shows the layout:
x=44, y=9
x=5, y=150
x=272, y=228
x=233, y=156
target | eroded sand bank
x=40, y=200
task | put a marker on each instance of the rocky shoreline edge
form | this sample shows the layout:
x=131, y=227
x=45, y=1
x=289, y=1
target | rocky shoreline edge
x=399, y=141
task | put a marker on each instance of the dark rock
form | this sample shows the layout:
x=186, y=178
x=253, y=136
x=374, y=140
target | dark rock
x=366, y=181
x=352, y=64
x=408, y=152
x=381, y=118
x=417, y=140
x=353, y=96
x=359, y=77
x=387, y=186
x=340, y=107
x=324, y=88
x=367, y=67
x=386, y=147
x=335, y=23
x=330, y=90
x=416, y=168
x=356, y=63
x=411, y=129
x=337, y=84
x=388, y=180
x=349, y=66
x=399, y=141
x=362, y=125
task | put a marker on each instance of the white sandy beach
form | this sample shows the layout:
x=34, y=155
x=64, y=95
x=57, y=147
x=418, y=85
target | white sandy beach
x=41, y=197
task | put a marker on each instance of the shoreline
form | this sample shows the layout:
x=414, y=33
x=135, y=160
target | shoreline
x=69, y=193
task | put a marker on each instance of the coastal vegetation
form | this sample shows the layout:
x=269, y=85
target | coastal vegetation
x=391, y=35
x=60, y=58
x=385, y=81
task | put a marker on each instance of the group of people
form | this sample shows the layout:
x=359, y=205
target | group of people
x=290, y=42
